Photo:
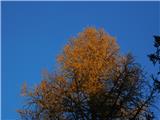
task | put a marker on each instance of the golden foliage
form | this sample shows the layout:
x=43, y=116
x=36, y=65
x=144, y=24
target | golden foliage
x=94, y=81
x=89, y=57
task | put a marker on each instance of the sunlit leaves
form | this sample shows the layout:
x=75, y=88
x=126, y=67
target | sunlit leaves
x=93, y=82
x=88, y=57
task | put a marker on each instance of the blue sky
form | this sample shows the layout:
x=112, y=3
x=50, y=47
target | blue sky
x=34, y=33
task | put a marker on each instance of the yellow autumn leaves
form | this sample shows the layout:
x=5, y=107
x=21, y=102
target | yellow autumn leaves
x=94, y=81
x=86, y=62
x=88, y=57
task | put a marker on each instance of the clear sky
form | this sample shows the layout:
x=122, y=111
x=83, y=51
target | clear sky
x=34, y=33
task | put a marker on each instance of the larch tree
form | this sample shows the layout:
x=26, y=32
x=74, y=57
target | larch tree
x=93, y=82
